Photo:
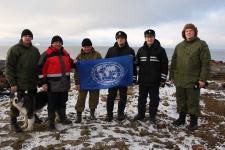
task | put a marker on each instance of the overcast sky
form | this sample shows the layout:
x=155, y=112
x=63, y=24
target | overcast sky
x=99, y=20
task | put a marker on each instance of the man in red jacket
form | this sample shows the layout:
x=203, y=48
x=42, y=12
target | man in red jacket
x=54, y=71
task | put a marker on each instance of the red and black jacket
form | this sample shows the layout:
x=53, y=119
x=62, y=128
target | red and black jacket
x=50, y=69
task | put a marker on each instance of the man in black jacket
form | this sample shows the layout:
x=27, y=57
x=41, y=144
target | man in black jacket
x=153, y=70
x=120, y=48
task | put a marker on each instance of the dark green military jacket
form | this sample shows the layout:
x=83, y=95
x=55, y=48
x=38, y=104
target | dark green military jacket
x=21, y=66
x=86, y=56
x=190, y=63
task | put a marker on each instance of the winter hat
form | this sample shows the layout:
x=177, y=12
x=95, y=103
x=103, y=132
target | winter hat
x=189, y=26
x=86, y=42
x=57, y=38
x=26, y=32
x=121, y=34
x=149, y=32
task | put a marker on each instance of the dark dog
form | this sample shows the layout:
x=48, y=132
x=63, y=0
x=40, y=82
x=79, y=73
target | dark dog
x=29, y=105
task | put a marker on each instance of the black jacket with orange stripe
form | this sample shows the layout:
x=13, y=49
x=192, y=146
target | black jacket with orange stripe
x=50, y=69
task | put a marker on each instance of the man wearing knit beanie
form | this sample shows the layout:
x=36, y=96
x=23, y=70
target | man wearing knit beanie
x=54, y=72
x=87, y=53
x=26, y=32
x=86, y=42
x=190, y=66
x=57, y=38
x=22, y=77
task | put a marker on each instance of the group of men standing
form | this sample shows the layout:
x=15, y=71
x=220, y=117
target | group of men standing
x=190, y=65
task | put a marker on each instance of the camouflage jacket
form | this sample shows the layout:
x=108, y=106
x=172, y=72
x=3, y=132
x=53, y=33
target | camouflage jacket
x=190, y=63
x=86, y=56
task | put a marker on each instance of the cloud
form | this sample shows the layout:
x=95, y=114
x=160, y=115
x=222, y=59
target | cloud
x=100, y=20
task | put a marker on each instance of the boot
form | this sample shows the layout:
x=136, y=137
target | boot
x=79, y=117
x=121, y=116
x=193, y=123
x=152, y=119
x=62, y=116
x=139, y=116
x=14, y=125
x=37, y=120
x=51, y=119
x=109, y=117
x=65, y=121
x=181, y=120
x=92, y=114
x=51, y=126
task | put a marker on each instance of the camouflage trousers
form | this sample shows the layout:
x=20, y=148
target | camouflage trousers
x=188, y=101
x=93, y=99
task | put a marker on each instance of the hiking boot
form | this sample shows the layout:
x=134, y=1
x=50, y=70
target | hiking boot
x=181, y=120
x=193, y=123
x=139, y=117
x=65, y=121
x=14, y=126
x=62, y=116
x=51, y=127
x=121, y=117
x=152, y=119
x=92, y=114
x=108, y=118
x=79, y=117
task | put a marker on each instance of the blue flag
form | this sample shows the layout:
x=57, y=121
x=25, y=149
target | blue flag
x=105, y=73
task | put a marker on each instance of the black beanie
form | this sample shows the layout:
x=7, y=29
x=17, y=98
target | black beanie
x=26, y=32
x=86, y=42
x=57, y=38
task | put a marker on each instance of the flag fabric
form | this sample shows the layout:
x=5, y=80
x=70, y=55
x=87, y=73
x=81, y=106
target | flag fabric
x=105, y=73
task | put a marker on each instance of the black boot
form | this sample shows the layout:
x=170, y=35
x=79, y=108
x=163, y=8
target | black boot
x=109, y=117
x=62, y=116
x=152, y=119
x=37, y=120
x=51, y=126
x=121, y=116
x=181, y=120
x=14, y=125
x=79, y=117
x=92, y=114
x=139, y=116
x=193, y=123
x=51, y=120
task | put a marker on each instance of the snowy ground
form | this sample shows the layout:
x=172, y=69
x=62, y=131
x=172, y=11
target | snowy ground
x=127, y=134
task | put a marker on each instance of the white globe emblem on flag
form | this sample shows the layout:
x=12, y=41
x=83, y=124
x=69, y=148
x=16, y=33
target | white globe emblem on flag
x=107, y=73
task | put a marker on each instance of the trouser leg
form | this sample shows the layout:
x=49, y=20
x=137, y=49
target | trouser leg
x=61, y=102
x=142, y=99
x=181, y=98
x=80, y=105
x=193, y=101
x=123, y=100
x=51, y=110
x=93, y=102
x=93, y=99
x=110, y=101
x=154, y=100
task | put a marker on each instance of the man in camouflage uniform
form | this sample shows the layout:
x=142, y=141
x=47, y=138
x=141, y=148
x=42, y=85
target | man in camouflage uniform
x=87, y=53
x=21, y=71
x=190, y=65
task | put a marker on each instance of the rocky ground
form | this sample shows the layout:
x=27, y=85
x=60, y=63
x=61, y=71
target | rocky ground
x=128, y=134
